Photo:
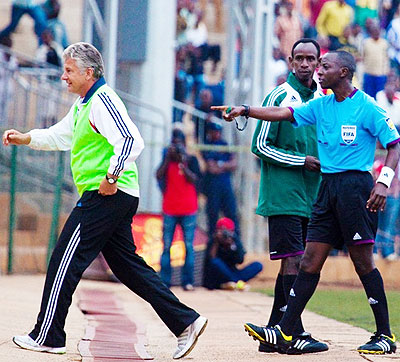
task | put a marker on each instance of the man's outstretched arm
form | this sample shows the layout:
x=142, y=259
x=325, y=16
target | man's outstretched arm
x=273, y=114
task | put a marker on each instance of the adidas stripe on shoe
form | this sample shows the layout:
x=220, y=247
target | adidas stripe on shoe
x=272, y=336
x=27, y=342
x=379, y=344
x=188, y=338
x=306, y=344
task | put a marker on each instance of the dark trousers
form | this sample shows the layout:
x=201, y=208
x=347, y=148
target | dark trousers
x=221, y=198
x=222, y=272
x=102, y=224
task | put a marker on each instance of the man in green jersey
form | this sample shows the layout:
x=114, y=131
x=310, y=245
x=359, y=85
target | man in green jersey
x=289, y=181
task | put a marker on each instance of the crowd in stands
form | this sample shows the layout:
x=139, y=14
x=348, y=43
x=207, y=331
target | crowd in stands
x=193, y=50
x=368, y=29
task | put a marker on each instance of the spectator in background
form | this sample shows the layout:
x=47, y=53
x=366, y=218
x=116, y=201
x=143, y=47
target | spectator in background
x=334, y=16
x=180, y=86
x=225, y=254
x=376, y=63
x=389, y=219
x=389, y=100
x=194, y=72
x=178, y=175
x=387, y=11
x=50, y=52
x=198, y=37
x=277, y=66
x=8, y=65
x=218, y=8
x=217, y=183
x=288, y=29
x=52, y=9
x=356, y=37
x=181, y=25
x=365, y=9
x=393, y=37
x=315, y=9
x=203, y=104
x=22, y=7
x=346, y=45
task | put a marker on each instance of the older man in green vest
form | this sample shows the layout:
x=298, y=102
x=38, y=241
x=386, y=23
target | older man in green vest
x=104, y=143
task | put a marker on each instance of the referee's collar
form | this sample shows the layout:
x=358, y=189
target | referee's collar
x=101, y=81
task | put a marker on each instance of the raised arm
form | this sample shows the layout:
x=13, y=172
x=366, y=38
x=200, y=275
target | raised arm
x=273, y=114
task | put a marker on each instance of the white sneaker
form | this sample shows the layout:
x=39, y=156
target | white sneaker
x=27, y=342
x=188, y=338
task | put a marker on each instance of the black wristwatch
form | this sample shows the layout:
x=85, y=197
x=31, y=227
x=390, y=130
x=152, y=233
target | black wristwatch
x=111, y=180
x=246, y=110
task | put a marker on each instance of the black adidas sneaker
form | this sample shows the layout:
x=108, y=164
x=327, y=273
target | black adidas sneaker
x=379, y=344
x=272, y=336
x=306, y=344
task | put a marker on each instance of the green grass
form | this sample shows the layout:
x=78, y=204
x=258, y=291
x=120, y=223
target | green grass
x=351, y=306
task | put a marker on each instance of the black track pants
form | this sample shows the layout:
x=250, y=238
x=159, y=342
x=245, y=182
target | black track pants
x=102, y=224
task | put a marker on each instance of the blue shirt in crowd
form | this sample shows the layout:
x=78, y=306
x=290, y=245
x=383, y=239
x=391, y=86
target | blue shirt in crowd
x=347, y=131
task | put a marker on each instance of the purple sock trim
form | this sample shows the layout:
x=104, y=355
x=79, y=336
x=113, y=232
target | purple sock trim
x=360, y=242
x=283, y=256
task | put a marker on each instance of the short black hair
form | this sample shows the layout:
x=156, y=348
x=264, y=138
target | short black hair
x=345, y=59
x=305, y=41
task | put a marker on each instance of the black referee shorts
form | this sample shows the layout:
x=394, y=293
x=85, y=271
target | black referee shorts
x=340, y=215
x=286, y=236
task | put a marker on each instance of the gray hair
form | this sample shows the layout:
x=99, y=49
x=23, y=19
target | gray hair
x=86, y=56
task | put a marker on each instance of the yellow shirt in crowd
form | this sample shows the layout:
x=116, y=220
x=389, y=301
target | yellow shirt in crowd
x=333, y=18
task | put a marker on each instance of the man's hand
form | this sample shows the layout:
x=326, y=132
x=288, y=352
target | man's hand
x=377, y=198
x=107, y=189
x=229, y=112
x=14, y=137
x=312, y=164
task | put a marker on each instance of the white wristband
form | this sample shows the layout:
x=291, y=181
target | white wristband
x=386, y=176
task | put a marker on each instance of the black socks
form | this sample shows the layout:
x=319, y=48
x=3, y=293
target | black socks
x=279, y=302
x=288, y=281
x=373, y=285
x=299, y=295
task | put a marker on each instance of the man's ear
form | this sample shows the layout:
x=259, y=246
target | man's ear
x=89, y=73
x=344, y=72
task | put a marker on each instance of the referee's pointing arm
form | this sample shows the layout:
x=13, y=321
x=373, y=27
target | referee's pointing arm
x=273, y=114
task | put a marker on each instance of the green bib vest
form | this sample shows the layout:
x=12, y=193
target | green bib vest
x=91, y=153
